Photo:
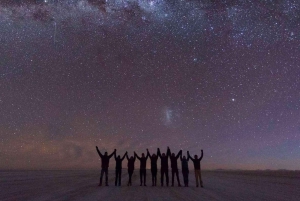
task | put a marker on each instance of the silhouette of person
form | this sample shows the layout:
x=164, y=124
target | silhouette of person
x=185, y=170
x=130, y=166
x=143, y=161
x=164, y=168
x=105, y=164
x=119, y=168
x=153, y=159
x=174, y=166
x=197, y=167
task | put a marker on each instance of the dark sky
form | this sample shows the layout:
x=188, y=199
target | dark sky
x=222, y=76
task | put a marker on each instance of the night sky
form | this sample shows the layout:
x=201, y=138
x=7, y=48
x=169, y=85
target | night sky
x=222, y=76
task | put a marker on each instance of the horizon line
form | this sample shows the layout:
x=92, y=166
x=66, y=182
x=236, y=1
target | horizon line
x=93, y=169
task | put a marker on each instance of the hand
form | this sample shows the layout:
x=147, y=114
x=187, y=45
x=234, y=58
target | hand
x=115, y=150
x=96, y=147
x=201, y=150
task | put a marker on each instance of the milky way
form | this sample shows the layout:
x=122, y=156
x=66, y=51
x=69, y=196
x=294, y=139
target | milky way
x=222, y=76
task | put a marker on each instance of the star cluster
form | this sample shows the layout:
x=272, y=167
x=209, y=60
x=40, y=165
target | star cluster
x=222, y=76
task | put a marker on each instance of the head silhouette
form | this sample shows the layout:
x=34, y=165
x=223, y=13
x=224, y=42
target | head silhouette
x=118, y=156
x=143, y=155
x=105, y=153
x=196, y=157
x=131, y=157
x=163, y=154
x=173, y=155
x=183, y=157
x=153, y=155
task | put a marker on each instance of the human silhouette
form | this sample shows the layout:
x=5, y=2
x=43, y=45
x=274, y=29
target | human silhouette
x=119, y=168
x=143, y=161
x=164, y=168
x=153, y=159
x=185, y=170
x=197, y=167
x=174, y=166
x=130, y=166
x=105, y=164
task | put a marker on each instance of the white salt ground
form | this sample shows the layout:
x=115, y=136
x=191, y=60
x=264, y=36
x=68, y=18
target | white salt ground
x=83, y=185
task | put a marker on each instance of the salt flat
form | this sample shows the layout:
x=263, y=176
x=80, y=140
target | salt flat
x=82, y=185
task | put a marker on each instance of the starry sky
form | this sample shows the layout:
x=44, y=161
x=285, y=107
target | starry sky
x=217, y=75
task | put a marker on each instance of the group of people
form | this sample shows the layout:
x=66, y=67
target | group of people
x=164, y=170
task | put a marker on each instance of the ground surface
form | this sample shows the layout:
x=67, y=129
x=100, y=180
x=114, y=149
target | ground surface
x=82, y=185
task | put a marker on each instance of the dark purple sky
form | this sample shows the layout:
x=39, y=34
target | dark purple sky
x=222, y=76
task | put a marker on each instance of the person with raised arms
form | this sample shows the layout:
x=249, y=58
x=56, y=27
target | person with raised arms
x=185, y=170
x=119, y=168
x=164, y=168
x=105, y=164
x=153, y=159
x=143, y=161
x=174, y=166
x=130, y=166
x=197, y=167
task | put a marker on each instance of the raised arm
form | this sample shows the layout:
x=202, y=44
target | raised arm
x=113, y=153
x=189, y=157
x=201, y=154
x=127, y=157
x=124, y=156
x=148, y=154
x=168, y=152
x=137, y=156
x=179, y=154
x=99, y=152
x=158, y=153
